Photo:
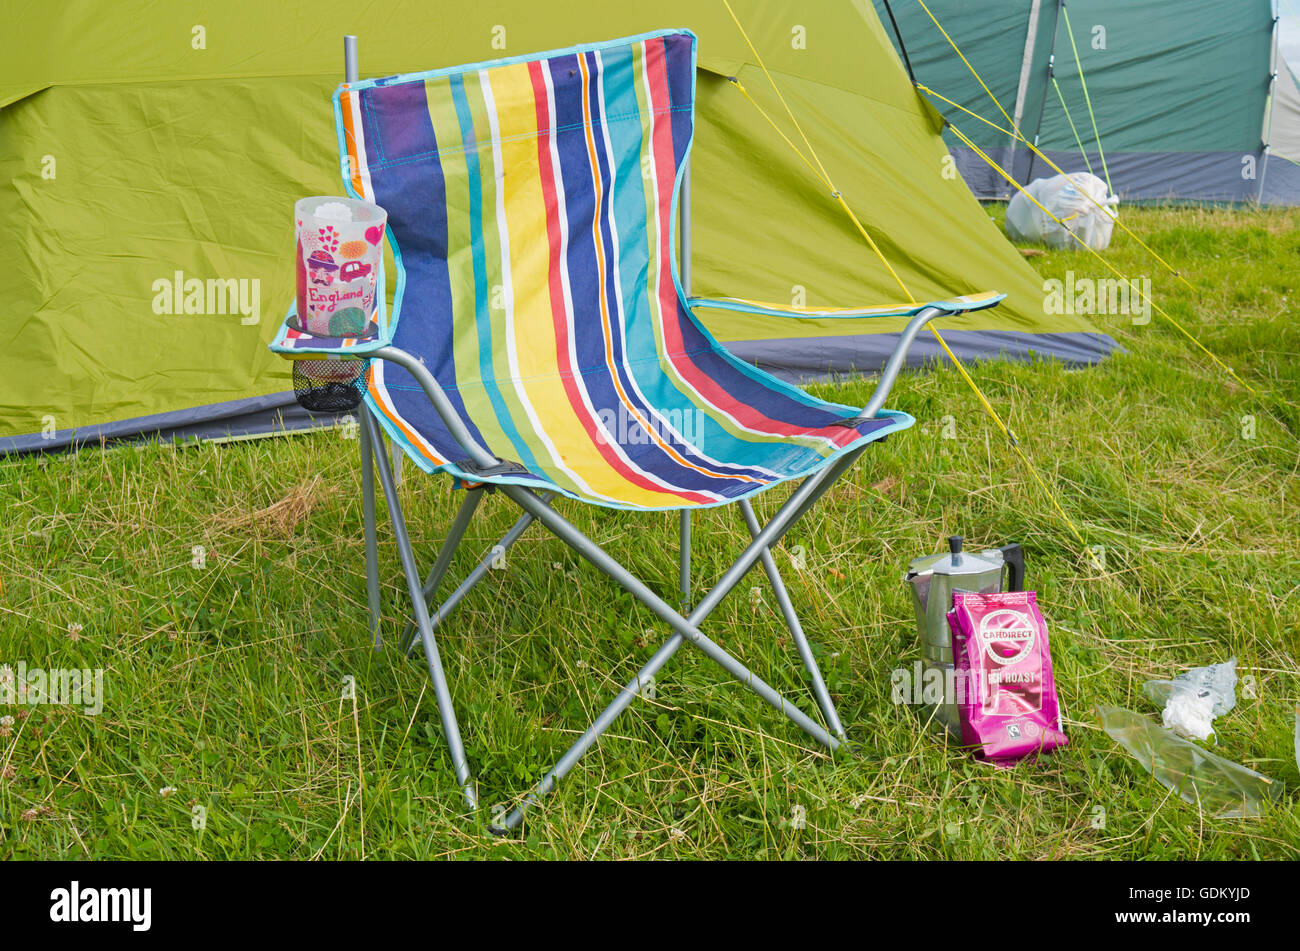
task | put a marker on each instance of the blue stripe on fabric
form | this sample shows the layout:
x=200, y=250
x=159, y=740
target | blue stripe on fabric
x=647, y=454
x=416, y=201
x=589, y=331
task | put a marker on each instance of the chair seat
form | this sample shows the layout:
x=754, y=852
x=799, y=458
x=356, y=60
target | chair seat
x=655, y=447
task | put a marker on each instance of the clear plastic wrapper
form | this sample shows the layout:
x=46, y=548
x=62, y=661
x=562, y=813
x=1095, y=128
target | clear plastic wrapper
x=1192, y=700
x=1218, y=787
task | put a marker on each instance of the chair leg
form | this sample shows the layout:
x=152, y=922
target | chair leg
x=449, y=545
x=796, y=629
x=368, y=517
x=683, y=627
x=445, y=710
x=477, y=575
x=684, y=572
x=598, y=726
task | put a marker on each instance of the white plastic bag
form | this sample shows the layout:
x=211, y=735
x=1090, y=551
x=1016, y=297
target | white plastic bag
x=1071, y=198
x=1192, y=700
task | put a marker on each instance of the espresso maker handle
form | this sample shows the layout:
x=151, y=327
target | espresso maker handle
x=1014, y=559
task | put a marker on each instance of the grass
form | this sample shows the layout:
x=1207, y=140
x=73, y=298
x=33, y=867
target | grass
x=220, y=588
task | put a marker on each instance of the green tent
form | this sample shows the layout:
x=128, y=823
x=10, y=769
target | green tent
x=1180, y=90
x=155, y=153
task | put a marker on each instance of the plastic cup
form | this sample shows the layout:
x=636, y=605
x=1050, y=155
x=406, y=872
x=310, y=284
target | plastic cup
x=339, y=254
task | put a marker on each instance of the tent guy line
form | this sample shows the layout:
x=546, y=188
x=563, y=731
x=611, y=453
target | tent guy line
x=988, y=407
x=1015, y=131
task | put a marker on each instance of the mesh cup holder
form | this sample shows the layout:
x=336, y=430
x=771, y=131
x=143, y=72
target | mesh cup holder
x=329, y=386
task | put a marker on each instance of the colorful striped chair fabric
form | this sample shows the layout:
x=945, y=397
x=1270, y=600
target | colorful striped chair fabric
x=531, y=207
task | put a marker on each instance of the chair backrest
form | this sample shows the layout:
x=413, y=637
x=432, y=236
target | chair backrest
x=531, y=205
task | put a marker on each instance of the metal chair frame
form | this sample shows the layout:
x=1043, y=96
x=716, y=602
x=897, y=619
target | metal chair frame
x=537, y=506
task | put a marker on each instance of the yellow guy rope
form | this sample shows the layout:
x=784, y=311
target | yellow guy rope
x=1083, y=244
x=973, y=71
x=1015, y=131
x=820, y=171
x=1073, y=128
x=1016, y=135
x=1086, y=98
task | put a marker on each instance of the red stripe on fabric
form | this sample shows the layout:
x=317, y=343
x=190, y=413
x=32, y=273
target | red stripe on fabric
x=666, y=173
x=558, y=314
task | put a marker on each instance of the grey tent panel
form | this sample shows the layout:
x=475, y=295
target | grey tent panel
x=1281, y=182
x=278, y=412
x=1138, y=176
x=1284, y=117
x=811, y=359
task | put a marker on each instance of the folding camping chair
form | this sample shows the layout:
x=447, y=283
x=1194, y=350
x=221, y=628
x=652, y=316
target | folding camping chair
x=541, y=343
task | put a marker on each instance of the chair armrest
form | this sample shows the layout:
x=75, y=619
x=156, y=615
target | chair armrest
x=956, y=305
x=296, y=343
x=455, y=425
x=921, y=315
x=898, y=358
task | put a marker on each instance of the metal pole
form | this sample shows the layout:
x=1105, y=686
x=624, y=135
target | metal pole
x=432, y=659
x=684, y=221
x=684, y=567
x=450, y=543
x=1047, y=84
x=1272, y=104
x=1026, y=69
x=367, y=447
x=796, y=629
x=478, y=574
x=349, y=58
x=446, y=412
x=889, y=375
x=350, y=75
x=368, y=519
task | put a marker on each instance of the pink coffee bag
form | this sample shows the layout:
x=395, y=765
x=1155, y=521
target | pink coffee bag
x=1006, y=696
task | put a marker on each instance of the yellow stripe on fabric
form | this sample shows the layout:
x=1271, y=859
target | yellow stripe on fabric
x=520, y=426
x=526, y=303
x=453, y=157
